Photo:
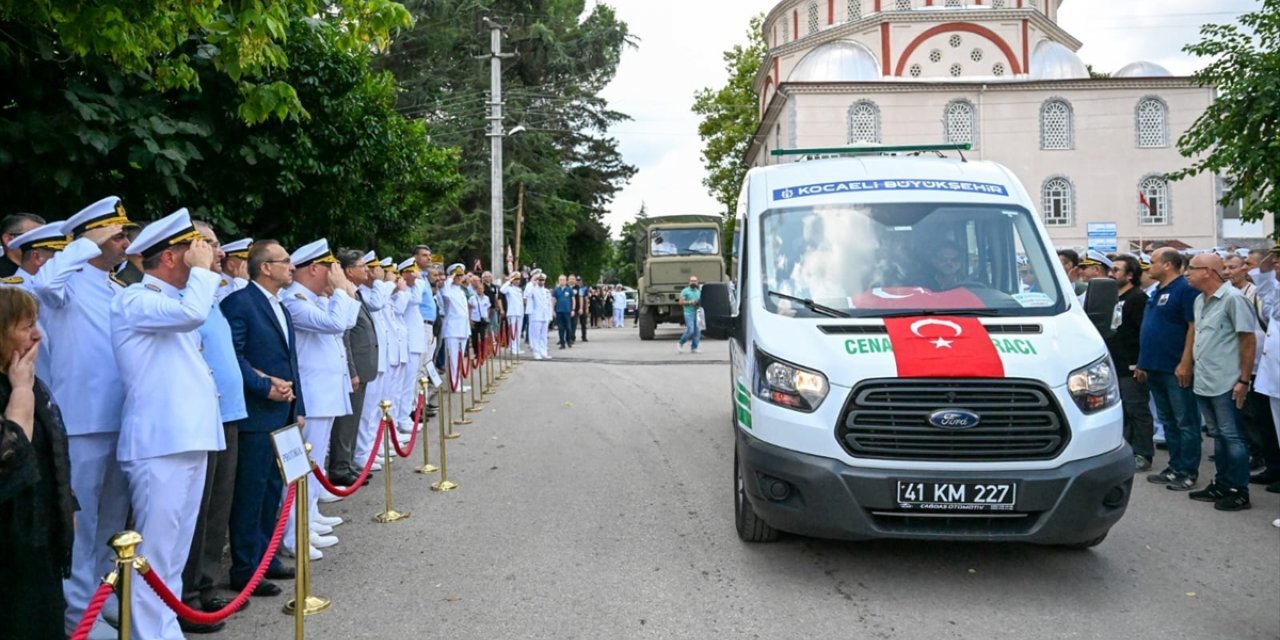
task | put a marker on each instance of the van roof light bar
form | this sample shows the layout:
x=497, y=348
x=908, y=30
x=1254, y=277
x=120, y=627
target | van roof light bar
x=873, y=149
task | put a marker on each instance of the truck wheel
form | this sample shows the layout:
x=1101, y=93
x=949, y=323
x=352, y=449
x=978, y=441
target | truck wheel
x=750, y=527
x=648, y=324
x=1087, y=544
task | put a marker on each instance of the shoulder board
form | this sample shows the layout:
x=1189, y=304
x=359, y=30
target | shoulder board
x=11, y=280
x=152, y=287
x=223, y=283
x=299, y=296
x=120, y=282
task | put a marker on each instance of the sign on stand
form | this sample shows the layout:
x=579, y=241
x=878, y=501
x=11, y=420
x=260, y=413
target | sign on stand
x=291, y=453
x=1102, y=236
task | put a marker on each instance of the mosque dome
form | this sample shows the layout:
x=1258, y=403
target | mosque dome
x=1142, y=69
x=1052, y=61
x=839, y=61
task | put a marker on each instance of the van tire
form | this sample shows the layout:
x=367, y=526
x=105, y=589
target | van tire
x=648, y=323
x=750, y=527
x=1087, y=544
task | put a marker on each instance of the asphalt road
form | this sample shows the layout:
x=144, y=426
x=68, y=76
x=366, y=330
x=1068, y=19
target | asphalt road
x=595, y=501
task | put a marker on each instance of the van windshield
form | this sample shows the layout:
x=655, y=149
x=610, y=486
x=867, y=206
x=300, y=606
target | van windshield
x=684, y=242
x=894, y=259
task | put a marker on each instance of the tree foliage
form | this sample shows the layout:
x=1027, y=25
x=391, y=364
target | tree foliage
x=1238, y=136
x=730, y=117
x=564, y=55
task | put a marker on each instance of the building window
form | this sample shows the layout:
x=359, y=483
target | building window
x=955, y=3
x=864, y=122
x=1155, y=189
x=997, y=69
x=855, y=10
x=997, y=4
x=935, y=56
x=956, y=70
x=961, y=122
x=1152, y=123
x=814, y=22
x=1056, y=201
x=955, y=41
x=916, y=70
x=1034, y=4
x=1055, y=125
x=902, y=5
x=976, y=55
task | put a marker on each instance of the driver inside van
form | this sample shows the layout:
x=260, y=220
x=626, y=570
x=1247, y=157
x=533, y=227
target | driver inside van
x=663, y=248
x=946, y=268
x=703, y=243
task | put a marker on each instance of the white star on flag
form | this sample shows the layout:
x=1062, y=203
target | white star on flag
x=941, y=343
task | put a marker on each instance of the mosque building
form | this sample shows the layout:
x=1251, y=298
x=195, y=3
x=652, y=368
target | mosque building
x=1092, y=150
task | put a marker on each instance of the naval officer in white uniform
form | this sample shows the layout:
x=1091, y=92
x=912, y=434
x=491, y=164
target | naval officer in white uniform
x=407, y=400
x=170, y=417
x=538, y=301
x=457, y=320
x=377, y=295
x=321, y=302
x=514, y=296
x=235, y=267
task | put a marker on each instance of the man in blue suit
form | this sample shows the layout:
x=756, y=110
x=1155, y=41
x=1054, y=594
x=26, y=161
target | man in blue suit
x=266, y=348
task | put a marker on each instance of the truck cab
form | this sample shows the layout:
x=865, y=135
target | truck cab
x=672, y=249
x=908, y=360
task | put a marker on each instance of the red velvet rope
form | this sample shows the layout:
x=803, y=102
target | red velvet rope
x=91, y=613
x=368, y=466
x=200, y=617
x=413, y=439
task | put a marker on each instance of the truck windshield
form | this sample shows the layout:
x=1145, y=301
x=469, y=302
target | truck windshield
x=893, y=259
x=684, y=242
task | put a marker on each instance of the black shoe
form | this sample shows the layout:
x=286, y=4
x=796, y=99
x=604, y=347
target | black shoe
x=1162, y=446
x=562, y=346
x=1211, y=493
x=343, y=479
x=1234, y=500
x=197, y=628
x=1257, y=464
x=1164, y=477
x=264, y=589
x=1142, y=463
x=218, y=603
x=584, y=339
x=431, y=414
x=432, y=406
x=281, y=573
x=1266, y=477
x=1181, y=482
x=1274, y=487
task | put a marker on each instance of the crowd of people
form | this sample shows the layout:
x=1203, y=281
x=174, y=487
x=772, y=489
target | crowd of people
x=1196, y=346
x=145, y=368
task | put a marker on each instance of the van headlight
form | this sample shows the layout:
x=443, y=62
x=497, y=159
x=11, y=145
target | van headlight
x=789, y=385
x=1095, y=387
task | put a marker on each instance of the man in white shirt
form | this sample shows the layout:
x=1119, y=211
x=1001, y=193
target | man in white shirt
x=619, y=307
x=514, y=297
x=538, y=300
x=457, y=321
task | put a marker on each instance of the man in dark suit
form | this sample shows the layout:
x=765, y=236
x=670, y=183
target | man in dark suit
x=362, y=360
x=266, y=348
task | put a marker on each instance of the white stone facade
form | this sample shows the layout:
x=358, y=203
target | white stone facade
x=1003, y=76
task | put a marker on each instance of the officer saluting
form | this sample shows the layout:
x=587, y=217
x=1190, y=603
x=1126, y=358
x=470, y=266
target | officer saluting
x=457, y=319
x=170, y=419
x=235, y=267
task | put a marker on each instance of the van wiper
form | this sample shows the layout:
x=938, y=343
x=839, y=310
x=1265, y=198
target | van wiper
x=941, y=312
x=812, y=306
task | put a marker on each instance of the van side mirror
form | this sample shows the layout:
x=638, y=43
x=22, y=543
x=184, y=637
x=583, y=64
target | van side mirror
x=717, y=305
x=1100, y=301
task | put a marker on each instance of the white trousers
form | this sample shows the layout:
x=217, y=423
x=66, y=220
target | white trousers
x=316, y=433
x=394, y=389
x=619, y=317
x=426, y=367
x=513, y=332
x=407, y=402
x=103, y=491
x=370, y=418
x=455, y=348
x=166, y=493
x=538, y=338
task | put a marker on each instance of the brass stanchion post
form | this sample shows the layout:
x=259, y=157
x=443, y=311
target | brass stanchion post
x=462, y=399
x=426, y=467
x=125, y=545
x=390, y=515
x=302, y=570
x=478, y=373
x=443, y=484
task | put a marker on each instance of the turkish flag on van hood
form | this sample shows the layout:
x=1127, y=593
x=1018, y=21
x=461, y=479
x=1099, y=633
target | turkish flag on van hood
x=943, y=347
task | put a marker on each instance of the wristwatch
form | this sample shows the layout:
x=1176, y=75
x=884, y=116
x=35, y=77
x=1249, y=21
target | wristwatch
x=1243, y=382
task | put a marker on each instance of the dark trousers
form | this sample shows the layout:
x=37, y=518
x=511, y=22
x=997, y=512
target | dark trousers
x=31, y=590
x=1139, y=427
x=582, y=323
x=255, y=506
x=1260, y=430
x=564, y=328
x=342, y=440
x=524, y=328
x=205, y=559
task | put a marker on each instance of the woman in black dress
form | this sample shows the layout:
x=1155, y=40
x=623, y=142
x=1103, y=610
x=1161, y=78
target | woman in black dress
x=36, y=504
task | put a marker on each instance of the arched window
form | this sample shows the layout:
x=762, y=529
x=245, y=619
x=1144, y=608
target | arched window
x=902, y=5
x=815, y=22
x=1152, y=123
x=1155, y=190
x=997, y=4
x=955, y=3
x=960, y=122
x=864, y=122
x=855, y=11
x=1057, y=201
x=1056, y=129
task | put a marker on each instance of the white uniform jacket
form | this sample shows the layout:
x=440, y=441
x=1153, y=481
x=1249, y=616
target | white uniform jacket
x=170, y=402
x=457, y=322
x=412, y=319
x=53, y=275
x=539, y=301
x=515, y=300
x=397, y=335
x=375, y=299
x=322, y=359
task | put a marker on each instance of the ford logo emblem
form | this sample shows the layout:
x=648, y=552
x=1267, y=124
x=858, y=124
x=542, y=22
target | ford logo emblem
x=954, y=419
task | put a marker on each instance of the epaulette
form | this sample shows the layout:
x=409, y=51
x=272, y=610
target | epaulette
x=300, y=297
x=152, y=287
x=11, y=280
x=118, y=281
x=223, y=282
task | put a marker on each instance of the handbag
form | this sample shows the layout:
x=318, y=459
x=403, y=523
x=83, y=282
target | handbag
x=702, y=320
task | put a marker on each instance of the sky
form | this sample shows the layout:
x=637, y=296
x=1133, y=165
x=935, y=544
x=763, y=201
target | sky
x=680, y=51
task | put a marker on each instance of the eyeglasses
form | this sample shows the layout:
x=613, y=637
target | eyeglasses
x=281, y=261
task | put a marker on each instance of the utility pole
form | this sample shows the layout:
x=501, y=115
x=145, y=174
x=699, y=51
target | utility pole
x=497, y=132
x=519, y=223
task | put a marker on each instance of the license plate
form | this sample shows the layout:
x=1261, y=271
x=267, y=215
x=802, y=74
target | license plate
x=956, y=496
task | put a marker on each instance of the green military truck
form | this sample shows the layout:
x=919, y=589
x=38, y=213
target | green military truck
x=671, y=249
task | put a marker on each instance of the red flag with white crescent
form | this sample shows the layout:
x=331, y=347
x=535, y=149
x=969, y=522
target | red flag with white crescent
x=943, y=347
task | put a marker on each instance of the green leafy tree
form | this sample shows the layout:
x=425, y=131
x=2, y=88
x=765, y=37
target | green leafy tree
x=730, y=117
x=625, y=251
x=1238, y=136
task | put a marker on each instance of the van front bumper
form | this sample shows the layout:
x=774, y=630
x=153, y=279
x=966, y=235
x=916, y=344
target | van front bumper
x=825, y=498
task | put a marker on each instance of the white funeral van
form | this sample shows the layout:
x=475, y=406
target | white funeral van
x=909, y=359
